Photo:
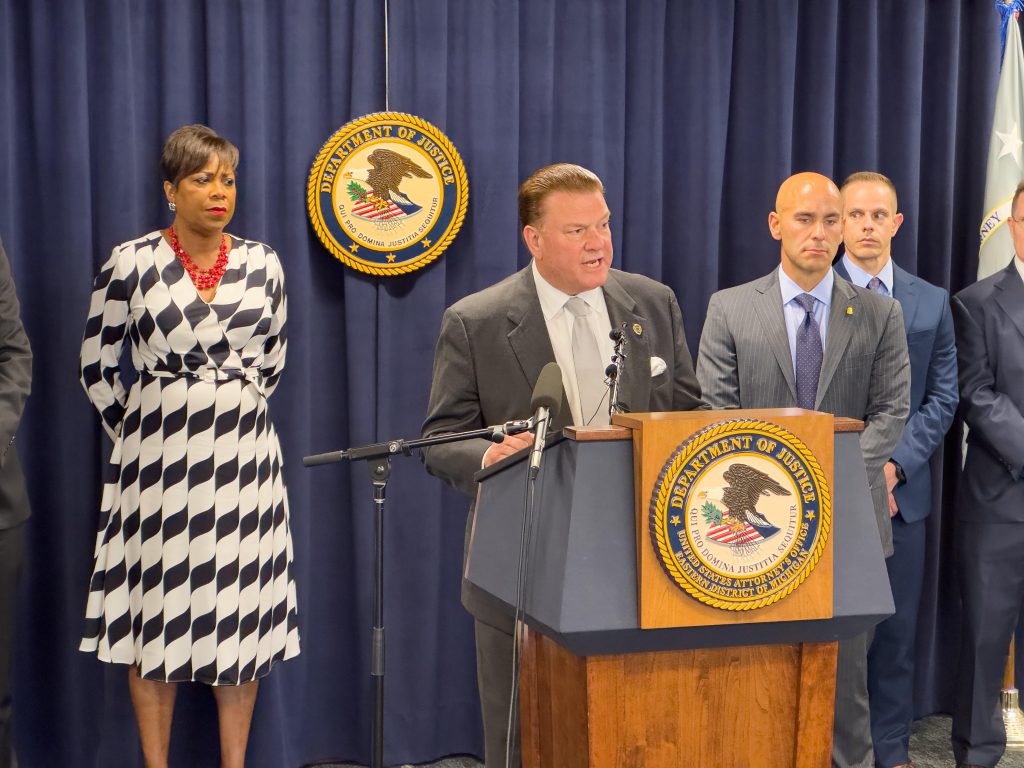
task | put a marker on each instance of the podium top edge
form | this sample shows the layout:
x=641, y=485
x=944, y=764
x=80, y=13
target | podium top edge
x=630, y=421
x=846, y=424
x=598, y=434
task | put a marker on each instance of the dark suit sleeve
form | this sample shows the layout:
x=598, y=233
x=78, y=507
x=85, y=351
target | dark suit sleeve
x=454, y=406
x=15, y=358
x=928, y=425
x=990, y=413
x=685, y=391
x=717, y=368
x=888, y=396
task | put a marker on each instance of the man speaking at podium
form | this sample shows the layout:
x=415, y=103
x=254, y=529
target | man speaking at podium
x=803, y=336
x=494, y=343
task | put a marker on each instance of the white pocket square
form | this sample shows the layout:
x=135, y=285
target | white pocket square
x=658, y=366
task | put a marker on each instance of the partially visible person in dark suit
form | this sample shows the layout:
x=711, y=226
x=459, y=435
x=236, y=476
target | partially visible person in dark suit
x=15, y=385
x=494, y=343
x=989, y=549
x=803, y=336
x=870, y=220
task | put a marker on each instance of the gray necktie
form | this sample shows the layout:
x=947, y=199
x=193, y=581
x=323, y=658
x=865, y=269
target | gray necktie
x=586, y=360
x=808, y=354
x=876, y=285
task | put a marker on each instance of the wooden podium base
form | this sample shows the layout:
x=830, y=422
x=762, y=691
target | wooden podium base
x=652, y=710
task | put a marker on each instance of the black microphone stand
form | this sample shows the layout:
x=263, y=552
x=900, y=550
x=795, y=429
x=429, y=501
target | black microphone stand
x=614, y=371
x=379, y=457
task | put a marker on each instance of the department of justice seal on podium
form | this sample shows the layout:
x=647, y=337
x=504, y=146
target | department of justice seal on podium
x=740, y=514
x=387, y=193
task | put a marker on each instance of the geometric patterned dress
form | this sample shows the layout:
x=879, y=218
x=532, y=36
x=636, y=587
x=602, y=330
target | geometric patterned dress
x=192, y=579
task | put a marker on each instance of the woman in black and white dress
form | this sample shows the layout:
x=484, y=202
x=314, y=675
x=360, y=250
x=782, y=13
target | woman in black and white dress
x=192, y=577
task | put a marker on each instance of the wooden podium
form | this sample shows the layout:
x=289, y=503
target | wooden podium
x=706, y=686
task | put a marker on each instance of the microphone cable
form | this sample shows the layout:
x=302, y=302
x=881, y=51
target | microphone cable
x=525, y=533
x=546, y=401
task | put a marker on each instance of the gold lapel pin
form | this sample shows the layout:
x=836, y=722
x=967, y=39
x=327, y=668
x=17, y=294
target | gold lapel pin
x=849, y=310
x=637, y=329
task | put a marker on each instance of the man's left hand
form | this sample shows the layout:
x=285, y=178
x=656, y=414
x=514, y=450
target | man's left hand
x=891, y=481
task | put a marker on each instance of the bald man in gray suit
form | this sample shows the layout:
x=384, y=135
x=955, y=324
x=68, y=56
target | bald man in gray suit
x=747, y=359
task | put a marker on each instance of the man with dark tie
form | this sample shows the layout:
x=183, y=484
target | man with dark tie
x=803, y=336
x=494, y=343
x=989, y=547
x=15, y=384
x=870, y=220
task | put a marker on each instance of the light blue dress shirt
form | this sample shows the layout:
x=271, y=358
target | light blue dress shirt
x=794, y=313
x=860, y=278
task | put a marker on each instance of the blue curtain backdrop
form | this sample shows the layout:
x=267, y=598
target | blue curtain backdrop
x=691, y=112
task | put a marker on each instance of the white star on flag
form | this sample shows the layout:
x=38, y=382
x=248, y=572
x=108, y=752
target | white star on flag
x=1011, y=143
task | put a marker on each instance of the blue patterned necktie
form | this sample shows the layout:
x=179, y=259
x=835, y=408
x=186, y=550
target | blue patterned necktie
x=808, y=354
x=876, y=285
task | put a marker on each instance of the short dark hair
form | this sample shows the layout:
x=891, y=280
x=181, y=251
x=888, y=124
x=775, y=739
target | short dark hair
x=189, y=148
x=558, y=177
x=871, y=176
x=1016, y=194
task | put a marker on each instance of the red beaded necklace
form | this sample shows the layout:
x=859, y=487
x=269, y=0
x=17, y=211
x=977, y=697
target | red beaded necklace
x=202, y=278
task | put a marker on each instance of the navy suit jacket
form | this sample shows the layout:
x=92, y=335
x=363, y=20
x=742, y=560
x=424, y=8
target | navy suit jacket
x=989, y=319
x=931, y=342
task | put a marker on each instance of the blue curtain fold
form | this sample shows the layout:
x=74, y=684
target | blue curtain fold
x=691, y=113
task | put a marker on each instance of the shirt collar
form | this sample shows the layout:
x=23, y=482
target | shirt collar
x=860, y=278
x=552, y=300
x=790, y=290
x=1020, y=266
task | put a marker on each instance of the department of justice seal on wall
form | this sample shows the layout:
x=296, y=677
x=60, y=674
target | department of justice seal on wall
x=740, y=514
x=387, y=193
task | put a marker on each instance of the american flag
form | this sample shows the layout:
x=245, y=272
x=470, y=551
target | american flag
x=726, y=533
x=367, y=209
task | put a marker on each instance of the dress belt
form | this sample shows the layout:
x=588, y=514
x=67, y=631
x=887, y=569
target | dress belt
x=212, y=375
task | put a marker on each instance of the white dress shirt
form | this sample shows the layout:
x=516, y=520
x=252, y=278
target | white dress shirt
x=559, y=321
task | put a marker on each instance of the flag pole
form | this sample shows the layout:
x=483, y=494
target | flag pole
x=1013, y=718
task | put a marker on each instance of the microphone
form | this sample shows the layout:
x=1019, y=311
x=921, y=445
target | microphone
x=545, y=404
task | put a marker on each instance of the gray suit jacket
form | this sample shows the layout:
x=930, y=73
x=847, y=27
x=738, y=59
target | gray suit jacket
x=745, y=362
x=15, y=384
x=492, y=347
x=989, y=319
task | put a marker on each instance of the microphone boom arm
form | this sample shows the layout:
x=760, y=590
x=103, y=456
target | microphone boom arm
x=406, y=447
